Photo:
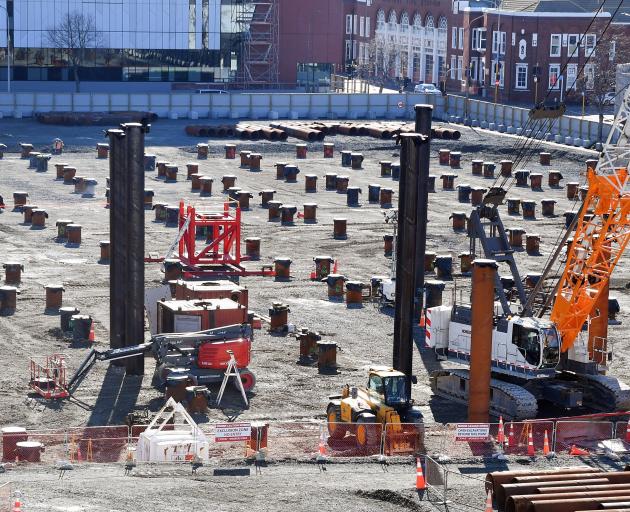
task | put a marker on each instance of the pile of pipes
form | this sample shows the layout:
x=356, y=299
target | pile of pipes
x=210, y=131
x=303, y=132
x=95, y=118
x=261, y=132
x=560, y=490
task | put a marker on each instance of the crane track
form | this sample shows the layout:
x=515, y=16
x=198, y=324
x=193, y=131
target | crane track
x=610, y=391
x=511, y=401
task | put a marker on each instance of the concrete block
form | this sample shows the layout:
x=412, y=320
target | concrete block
x=353, y=114
x=528, y=133
x=519, y=131
x=492, y=126
x=452, y=119
x=272, y=114
x=577, y=142
x=173, y=115
x=586, y=143
x=458, y=119
x=234, y=114
x=501, y=128
x=549, y=136
x=371, y=115
x=17, y=114
x=193, y=114
x=568, y=141
x=474, y=123
x=484, y=124
x=293, y=115
x=599, y=146
x=558, y=138
x=510, y=129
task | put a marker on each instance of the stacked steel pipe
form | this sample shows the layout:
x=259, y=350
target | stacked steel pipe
x=560, y=490
x=300, y=132
x=221, y=131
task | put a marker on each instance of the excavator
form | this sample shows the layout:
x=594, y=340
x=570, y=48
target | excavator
x=536, y=358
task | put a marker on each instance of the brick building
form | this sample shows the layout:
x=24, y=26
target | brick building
x=516, y=50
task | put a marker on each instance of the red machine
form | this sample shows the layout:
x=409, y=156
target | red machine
x=221, y=254
x=198, y=315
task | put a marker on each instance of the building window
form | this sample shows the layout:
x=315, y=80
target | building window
x=454, y=37
x=534, y=39
x=460, y=66
x=498, y=42
x=355, y=24
x=348, y=50
x=348, y=23
x=498, y=73
x=354, y=49
x=393, y=21
x=367, y=27
x=513, y=38
x=361, y=26
x=521, y=76
x=473, y=68
x=479, y=39
x=554, y=76
x=573, y=45
x=461, y=39
x=589, y=75
x=613, y=50
x=453, y=66
x=554, y=49
x=380, y=20
x=571, y=76
x=590, y=41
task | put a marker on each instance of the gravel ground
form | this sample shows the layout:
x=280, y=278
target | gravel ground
x=285, y=390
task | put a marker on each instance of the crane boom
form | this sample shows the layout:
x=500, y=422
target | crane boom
x=602, y=233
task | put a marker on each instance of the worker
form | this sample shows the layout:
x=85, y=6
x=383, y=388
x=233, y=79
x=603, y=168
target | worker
x=57, y=146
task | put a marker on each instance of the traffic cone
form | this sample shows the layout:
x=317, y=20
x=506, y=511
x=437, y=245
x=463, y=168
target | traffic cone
x=17, y=505
x=313, y=275
x=511, y=441
x=574, y=450
x=546, y=449
x=501, y=433
x=322, y=445
x=628, y=432
x=92, y=337
x=422, y=320
x=530, y=444
x=335, y=267
x=488, y=507
x=421, y=484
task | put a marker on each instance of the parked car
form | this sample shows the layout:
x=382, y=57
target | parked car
x=427, y=89
x=609, y=98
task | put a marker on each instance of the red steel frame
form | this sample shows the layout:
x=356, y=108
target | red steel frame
x=225, y=247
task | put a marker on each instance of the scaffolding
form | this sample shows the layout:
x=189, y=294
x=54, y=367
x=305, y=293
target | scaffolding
x=258, y=26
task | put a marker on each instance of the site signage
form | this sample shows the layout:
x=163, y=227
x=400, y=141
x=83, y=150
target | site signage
x=230, y=432
x=472, y=432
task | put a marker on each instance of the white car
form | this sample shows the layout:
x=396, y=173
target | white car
x=427, y=89
x=609, y=98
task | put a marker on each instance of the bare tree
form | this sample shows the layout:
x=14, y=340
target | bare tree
x=75, y=35
x=599, y=76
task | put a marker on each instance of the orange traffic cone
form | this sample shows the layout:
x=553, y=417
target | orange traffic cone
x=422, y=320
x=17, y=505
x=511, y=441
x=313, y=275
x=574, y=450
x=322, y=445
x=501, y=433
x=488, y=507
x=335, y=267
x=91, y=337
x=546, y=449
x=530, y=444
x=628, y=432
x=421, y=484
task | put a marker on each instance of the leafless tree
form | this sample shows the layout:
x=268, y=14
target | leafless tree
x=75, y=34
x=599, y=76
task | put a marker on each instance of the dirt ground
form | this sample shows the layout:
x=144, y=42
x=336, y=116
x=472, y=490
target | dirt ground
x=285, y=390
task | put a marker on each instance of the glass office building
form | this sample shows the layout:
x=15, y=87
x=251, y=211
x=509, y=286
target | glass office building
x=132, y=40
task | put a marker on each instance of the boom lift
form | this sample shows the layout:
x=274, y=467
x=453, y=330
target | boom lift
x=202, y=356
x=534, y=358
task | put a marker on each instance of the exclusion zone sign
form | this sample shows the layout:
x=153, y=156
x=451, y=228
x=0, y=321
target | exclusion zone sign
x=230, y=432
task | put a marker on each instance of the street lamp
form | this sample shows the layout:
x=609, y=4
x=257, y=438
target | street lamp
x=8, y=51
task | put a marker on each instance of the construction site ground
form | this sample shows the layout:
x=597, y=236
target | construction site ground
x=285, y=390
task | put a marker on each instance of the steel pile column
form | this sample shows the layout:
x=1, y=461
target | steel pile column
x=127, y=240
x=483, y=280
x=424, y=114
x=405, y=254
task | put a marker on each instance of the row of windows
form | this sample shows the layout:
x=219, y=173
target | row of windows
x=478, y=71
x=572, y=42
x=392, y=21
x=358, y=25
